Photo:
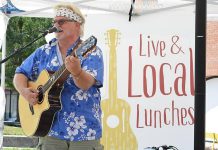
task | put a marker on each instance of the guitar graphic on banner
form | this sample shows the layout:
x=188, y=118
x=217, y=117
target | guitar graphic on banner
x=117, y=133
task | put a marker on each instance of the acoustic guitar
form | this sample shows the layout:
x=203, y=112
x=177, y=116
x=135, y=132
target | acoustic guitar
x=117, y=133
x=36, y=120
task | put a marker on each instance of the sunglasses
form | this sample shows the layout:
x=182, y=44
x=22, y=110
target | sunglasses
x=61, y=21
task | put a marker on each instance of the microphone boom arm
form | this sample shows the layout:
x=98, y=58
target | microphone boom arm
x=22, y=48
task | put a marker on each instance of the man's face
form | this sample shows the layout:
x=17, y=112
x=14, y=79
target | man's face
x=70, y=27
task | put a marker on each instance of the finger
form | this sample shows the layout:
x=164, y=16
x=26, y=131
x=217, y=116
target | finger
x=34, y=91
x=73, y=59
x=34, y=95
x=67, y=61
x=34, y=101
x=31, y=101
x=67, y=58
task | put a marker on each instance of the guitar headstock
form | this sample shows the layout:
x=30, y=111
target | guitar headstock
x=86, y=47
x=112, y=37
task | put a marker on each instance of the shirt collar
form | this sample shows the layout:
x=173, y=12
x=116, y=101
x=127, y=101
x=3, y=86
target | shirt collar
x=69, y=51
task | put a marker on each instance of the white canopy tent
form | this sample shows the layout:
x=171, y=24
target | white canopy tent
x=43, y=8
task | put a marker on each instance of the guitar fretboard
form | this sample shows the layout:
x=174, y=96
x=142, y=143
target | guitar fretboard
x=54, y=78
x=80, y=50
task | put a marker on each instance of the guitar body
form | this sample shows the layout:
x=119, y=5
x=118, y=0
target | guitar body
x=37, y=120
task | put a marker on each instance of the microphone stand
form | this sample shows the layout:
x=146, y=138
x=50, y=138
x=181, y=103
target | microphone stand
x=22, y=48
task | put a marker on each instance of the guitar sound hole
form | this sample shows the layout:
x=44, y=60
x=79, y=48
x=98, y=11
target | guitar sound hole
x=40, y=97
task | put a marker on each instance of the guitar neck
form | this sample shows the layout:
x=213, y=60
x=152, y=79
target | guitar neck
x=55, y=77
x=62, y=72
x=80, y=50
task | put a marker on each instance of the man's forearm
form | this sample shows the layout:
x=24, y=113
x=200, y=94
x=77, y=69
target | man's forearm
x=84, y=80
x=20, y=82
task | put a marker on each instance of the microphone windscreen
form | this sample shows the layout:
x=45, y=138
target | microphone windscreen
x=53, y=29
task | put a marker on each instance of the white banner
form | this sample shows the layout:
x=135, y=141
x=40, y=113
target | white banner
x=148, y=93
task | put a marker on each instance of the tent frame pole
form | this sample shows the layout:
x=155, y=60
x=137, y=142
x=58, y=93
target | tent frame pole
x=3, y=64
x=200, y=65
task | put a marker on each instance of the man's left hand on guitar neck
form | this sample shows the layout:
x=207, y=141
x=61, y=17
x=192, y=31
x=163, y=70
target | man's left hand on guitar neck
x=81, y=78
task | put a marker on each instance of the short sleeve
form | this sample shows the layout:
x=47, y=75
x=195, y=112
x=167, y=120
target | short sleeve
x=94, y=65
x=29, y=66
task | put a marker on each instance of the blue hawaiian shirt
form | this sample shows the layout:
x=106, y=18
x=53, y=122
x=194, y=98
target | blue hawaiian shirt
x=80, y=116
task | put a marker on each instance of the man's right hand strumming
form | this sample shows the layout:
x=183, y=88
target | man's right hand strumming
x=20, y=83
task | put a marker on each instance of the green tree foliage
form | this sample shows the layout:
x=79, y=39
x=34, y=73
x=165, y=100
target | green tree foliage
x=20, y=32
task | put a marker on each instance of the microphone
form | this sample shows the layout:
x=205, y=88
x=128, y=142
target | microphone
x=51, y=30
